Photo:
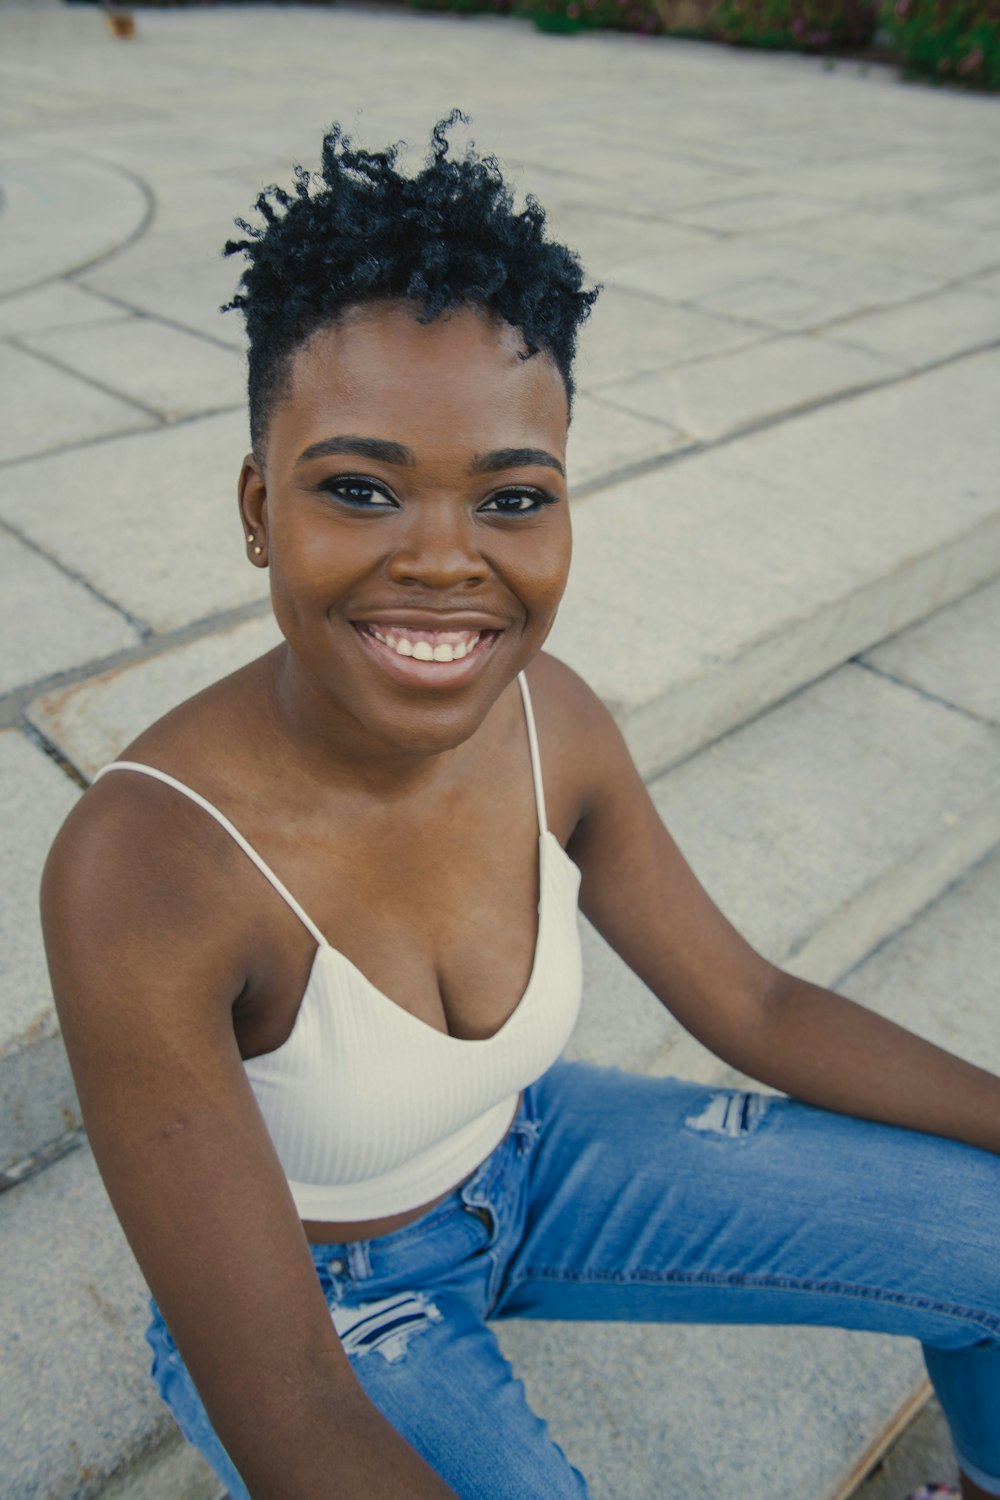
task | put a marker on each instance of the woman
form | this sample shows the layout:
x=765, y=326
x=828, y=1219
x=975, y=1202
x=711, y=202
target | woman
x=313, y=939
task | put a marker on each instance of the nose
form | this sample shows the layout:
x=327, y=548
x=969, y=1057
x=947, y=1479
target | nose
x=438, y=549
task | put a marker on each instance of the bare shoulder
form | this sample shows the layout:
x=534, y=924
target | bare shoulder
x=132, y=845
x=583, y=751
x=131, y=888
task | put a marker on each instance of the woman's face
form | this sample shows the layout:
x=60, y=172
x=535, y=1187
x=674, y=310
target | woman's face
x=413, y=512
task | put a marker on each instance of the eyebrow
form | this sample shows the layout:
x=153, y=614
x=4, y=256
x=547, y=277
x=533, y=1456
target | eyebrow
x=384, y=451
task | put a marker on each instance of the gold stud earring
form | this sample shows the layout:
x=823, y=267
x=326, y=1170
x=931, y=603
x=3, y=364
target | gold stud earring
x=258, y=551
x=249, y=536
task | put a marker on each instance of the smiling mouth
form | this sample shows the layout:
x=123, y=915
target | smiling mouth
x=440, y=647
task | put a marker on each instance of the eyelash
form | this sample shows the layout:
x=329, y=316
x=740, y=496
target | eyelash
x=539, y=498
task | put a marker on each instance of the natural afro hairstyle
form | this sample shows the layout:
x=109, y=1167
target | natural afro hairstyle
x=361, y=231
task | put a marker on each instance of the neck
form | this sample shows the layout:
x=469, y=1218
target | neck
x=332, y=748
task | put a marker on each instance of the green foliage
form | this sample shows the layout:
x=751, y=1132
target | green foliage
x=803, y=25
x=591, y=15
x=956, y=40
x=464, y=7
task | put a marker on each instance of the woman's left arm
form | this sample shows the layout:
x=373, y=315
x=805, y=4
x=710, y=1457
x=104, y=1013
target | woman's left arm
x=818, y=1046
x=828, y=1050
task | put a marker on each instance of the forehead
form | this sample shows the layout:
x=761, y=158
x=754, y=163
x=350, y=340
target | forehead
x=458, y=382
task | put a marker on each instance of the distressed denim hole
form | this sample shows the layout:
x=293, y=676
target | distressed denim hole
x=386, y=1325
x=734, y=1113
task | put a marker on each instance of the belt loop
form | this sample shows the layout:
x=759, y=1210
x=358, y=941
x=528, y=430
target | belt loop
x=358, y=1260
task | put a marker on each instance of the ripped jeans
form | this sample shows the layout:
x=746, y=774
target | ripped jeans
x=616, y=1196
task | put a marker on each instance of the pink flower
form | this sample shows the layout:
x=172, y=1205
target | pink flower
x=902, y=7
x=798, y=26
x=971, y=62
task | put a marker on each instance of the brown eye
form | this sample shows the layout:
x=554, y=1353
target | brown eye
x=518, y=502
x=360, y=494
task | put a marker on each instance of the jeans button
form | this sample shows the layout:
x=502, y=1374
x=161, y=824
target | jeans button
x=336, y=1266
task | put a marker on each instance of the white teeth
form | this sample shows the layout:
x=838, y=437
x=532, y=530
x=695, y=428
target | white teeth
x=423, y=650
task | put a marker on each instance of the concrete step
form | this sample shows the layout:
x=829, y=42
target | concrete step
x=731, y=1412
x=706, y=590
x=80, y=1416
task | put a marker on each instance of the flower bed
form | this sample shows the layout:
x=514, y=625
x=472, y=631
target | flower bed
x=947, y=39
x=802, y=25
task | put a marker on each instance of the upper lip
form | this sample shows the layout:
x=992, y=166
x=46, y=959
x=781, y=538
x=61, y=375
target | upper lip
x=417, y=619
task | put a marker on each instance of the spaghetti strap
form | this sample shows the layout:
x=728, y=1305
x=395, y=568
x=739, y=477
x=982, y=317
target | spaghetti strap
x=536, y=763
x=231, y=829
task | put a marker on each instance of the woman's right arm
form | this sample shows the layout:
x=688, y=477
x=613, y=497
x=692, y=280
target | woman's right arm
x=145, y=965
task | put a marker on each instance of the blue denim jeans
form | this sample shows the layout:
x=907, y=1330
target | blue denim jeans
x=616, y=1196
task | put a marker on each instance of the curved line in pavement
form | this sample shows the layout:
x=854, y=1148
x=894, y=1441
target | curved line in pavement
x=86, y=262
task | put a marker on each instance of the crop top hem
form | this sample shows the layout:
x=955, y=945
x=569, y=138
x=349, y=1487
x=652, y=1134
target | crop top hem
x=403, y=1189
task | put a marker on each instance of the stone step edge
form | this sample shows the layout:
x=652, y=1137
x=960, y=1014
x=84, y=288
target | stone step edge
x=883, y=908
x=691, y=714
x=880, y=1444
x=173, y=1470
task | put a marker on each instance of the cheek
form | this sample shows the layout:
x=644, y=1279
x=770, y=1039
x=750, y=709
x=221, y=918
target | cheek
x=541, y=574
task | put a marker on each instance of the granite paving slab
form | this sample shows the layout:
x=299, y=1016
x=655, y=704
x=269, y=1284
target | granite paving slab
x=172, y=373
x=604, y=439
x=628, y=335
x=55, y=621
x=921, y=1453
x=61, y=213
x=980, y=208
x=938, y=976
x=756, y=211
x=92, y=721
x=727, y=1412
x=606, y=240
x=57, y=304
x=698, y=275
x=904, y=241
x=79, y=1406
x=953, y=655
x=188, y=293
x=819, y=293
x=768, y=561
x=37, y=1100
x=169, y=548
x=710, y=397
x=42, y=407
x=990, y=283
x=926, y=329
x=890, y=179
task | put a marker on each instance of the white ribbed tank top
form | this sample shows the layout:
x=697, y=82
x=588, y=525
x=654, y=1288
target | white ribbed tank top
x=371, y=1110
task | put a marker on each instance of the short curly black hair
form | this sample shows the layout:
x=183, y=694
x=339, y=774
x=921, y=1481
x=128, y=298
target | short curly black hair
x=362, y=232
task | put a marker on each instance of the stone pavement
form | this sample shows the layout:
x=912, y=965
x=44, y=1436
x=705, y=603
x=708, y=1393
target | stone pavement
x=787, y=540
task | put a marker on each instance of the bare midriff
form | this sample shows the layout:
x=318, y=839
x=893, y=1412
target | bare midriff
x=321, y=1232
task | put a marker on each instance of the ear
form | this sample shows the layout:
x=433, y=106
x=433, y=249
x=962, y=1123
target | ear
x=252, y=493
